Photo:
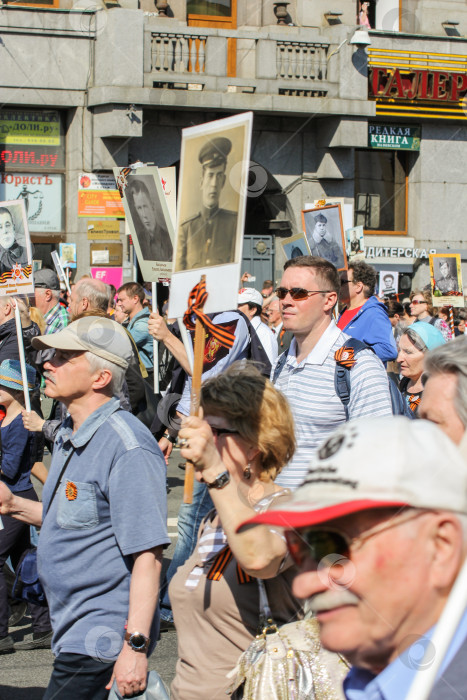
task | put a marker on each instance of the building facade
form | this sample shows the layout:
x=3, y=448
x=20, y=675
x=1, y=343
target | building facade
x=369, y=109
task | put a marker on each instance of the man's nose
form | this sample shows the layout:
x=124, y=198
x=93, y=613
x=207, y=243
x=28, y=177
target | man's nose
x=307, y=584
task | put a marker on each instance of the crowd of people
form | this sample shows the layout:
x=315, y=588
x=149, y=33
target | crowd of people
x=329, y=454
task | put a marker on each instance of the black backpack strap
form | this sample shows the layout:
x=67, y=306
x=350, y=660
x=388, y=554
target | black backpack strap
x=342, y=374
x=279, y=366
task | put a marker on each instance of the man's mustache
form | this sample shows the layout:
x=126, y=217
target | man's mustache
x=328, y=600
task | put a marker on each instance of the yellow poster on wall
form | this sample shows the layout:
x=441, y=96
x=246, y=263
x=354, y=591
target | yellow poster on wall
x=28, y=126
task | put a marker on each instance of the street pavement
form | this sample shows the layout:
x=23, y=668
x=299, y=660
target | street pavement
x=24, y=675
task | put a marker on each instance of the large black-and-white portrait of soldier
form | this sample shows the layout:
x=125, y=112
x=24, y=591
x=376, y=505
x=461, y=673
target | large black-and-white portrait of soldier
x=15, y=247
x=325, y=235
x=209, y=226
x=149, y=222
x=445, y=274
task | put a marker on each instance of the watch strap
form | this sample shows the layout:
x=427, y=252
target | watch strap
x=220, y=481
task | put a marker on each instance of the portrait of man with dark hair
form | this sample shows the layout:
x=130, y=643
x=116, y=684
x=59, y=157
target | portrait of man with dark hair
x=446, y=278
x=209, y=236
x=323, y=232
x=148, y=220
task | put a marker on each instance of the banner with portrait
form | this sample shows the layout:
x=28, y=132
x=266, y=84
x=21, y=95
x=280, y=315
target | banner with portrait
x=388, y=284
x=355, y=244
x=324, y=233
x=446, y=279
x=148, y=218
x=211, y=211
x=16, y=275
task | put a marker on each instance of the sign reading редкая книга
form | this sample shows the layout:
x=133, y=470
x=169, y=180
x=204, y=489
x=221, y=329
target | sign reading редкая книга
x=394, y=136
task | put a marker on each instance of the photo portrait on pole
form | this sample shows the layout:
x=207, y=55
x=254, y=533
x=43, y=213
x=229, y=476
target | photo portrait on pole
x=446, y=279
x=15, y=249
x=325, y=234
x=295, y=246
x=211, y=211
x=148, y=218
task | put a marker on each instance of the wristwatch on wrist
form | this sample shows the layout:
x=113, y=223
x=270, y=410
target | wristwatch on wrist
x=137, y=641
x=170, y=438
x=220, y=481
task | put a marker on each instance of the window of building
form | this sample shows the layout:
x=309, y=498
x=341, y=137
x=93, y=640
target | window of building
x=380, y=14
x=221, y=8
x=33, y=3
x=381, y=191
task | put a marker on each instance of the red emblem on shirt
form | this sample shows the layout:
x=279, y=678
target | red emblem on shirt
x=71, y=492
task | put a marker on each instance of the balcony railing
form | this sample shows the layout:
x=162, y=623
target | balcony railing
x=266, y=62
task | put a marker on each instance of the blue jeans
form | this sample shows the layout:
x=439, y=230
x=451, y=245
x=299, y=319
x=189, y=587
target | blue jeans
x=190, y=516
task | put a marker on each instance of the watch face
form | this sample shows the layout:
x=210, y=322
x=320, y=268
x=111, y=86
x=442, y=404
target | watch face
x=138, y=641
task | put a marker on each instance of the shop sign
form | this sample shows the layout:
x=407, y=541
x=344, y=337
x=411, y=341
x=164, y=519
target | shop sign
x=99, y=197
x=109, y=275
x=37, y=157
x=42, y=195
x=388, y=252
x=25, y=126
x=409, y=84
x=394, y=137
x=107, y=230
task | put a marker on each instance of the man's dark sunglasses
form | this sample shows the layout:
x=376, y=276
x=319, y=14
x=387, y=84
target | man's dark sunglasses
x=315, y=544
x=298, y=293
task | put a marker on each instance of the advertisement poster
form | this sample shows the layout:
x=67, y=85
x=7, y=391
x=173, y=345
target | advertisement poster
x=42, y=196
x=15, y=250
x=109, y=275
x=98, y=196
x=107, y=230
x=28, y=126
x=446, y=279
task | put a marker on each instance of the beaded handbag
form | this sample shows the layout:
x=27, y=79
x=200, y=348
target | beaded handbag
x=287, y=663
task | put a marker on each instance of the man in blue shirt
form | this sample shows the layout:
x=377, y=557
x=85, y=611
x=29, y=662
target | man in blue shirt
x=130, y=299
x=378, y=531
x=103, y=519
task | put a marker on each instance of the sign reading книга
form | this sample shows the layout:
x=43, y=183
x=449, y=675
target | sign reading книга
x=394, y=137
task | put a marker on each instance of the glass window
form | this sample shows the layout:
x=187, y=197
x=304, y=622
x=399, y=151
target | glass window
x=381, y=190
x=221, y=8
x=379, y=14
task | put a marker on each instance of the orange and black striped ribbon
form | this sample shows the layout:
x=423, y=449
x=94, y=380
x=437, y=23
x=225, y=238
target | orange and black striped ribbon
x=220, y=564
x=345, y=356
x=451, y=320
x=8, y=275
x=196, y=301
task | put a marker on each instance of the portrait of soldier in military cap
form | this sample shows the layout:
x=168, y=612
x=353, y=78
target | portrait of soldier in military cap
x=324, y=234
x=209, y=236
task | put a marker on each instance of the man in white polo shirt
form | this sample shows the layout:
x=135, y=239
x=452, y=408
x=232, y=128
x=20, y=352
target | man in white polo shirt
x=306, y=374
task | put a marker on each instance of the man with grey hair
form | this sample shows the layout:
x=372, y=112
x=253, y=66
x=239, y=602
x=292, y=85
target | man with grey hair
x=444, y=397
x=103, y=519
x=378, y=552
x=47, y=300
x=88, y=294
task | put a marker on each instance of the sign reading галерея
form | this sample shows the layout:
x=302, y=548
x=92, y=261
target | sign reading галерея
x=416, y=84
x=394, y=137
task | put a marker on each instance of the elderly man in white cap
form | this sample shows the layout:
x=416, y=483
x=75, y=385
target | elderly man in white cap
x=103, y=519
x=378, y=530
x=250, y=303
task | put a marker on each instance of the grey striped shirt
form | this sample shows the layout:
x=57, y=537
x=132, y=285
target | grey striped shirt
x=316, y=408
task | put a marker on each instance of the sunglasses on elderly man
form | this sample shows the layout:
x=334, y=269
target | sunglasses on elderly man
x=298, y=293
x=315, y=544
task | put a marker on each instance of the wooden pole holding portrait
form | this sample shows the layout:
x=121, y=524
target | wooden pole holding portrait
x=195, y=399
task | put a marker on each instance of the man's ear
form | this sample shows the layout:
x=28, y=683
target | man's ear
x=102, y=379
x=447, y=538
